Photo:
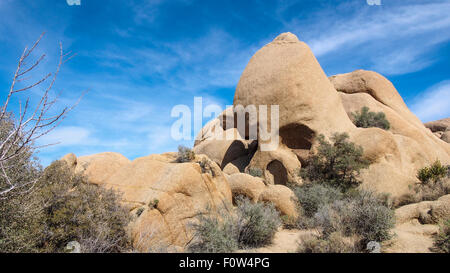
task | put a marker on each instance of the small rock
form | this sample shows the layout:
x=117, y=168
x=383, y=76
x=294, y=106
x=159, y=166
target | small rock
x=73, y=247
x=373, y=247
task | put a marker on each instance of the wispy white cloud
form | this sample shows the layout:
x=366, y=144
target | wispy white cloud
x=391, y=39
x=434, y=103
x=67, y=136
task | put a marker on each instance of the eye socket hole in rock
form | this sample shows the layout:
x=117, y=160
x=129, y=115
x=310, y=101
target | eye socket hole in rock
x=297, y=136
x=278, y=171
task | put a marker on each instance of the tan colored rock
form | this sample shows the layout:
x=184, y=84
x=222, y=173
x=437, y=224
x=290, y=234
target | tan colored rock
x=286, y=73
x=224, y=152
x=71, y=160
x=399, y=126
x=254, y=188
x=377, y=86
x=283, y=199
x=100, y=167
x=247, y=185
x=397, y=154
x=165, y=197
x=441, y=125
x=440, y=128
x=446, y=136
x=224, y=145
x=416, y=224
x=280, y=166
x=230, y=169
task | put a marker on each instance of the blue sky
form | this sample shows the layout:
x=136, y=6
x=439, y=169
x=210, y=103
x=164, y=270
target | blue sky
x=140, y=58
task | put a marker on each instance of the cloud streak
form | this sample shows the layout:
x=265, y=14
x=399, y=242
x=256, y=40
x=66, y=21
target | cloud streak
x=434, y=103
x=393, y=39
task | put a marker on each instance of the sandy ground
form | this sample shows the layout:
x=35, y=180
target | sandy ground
x=285, y=241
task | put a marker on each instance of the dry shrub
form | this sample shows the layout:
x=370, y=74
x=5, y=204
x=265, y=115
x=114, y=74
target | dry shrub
x=425, y=192
x=62, y=208
x=185, y=154
x=250, y=225
x=334, y=243
x=442, y=240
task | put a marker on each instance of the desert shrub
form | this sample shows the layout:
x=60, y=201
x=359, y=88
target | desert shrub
x=434, y=183
x=361, y=214
x=312, y=196
x=425, y=192
x=367, y=119
x=75, y=210
x=256, y=172
x=432, y=173
x=185, y=154
x=153, y=204
x=337, y=163
x=442, y=240
x=206, y=167
x=334, y=243
x=257, y=223
x=63, y=207
x=215, y=234
x=19, y=226
x=250, y=225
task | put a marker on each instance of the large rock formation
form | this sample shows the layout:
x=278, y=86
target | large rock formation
x=165, y=197
x=286, y=73
x=440, y=128
x=225, y=145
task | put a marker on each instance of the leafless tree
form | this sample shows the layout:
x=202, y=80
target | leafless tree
x=30, y=122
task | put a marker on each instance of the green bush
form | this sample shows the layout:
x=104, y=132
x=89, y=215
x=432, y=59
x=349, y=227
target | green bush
x=337, y=163
x=256, y=172
x=442, y=241
x=257, y=223
x=435, y=183
x=250, y=225
x=367, y=119
x=185, y=154
x=432, y=173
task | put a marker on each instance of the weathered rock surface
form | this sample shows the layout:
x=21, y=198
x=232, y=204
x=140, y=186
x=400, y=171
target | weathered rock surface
x=441, y=128
x=254, y=188
x=100, y=167
x=397, y=154
x=286, y=73
x=225, y=145
x=416, y=224
x=166, y=197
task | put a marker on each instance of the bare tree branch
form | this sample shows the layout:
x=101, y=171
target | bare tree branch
x=27, y=125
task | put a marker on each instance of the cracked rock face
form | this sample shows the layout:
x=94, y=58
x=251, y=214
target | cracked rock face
x=164, y=197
